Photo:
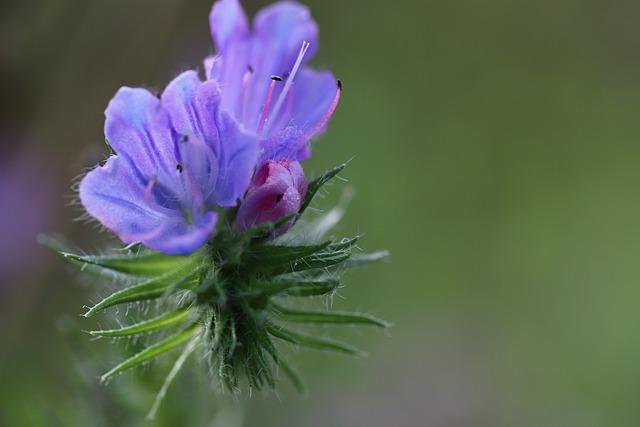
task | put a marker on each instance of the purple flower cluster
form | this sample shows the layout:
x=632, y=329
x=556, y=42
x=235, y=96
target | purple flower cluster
x=202, y=145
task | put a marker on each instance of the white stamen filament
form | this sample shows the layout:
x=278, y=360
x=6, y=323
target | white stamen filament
x=289, y=82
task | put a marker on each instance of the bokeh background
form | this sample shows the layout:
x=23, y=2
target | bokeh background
x=496, y=146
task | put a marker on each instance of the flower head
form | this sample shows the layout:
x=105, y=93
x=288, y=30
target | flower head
x=266, y=85
x=182, y=158
x=176, y=159
x=276, y=191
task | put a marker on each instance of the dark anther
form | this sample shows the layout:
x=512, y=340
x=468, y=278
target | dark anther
x=185, y=138
x=179, y=167
x=276, y=78
x=339, y=84
x=250, y=68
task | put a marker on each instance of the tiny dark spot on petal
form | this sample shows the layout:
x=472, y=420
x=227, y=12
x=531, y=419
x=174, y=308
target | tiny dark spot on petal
x=250, y=68
x=179, y=167
x=185, y=138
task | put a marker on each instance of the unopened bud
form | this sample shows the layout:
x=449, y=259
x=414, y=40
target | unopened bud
x=277, y=190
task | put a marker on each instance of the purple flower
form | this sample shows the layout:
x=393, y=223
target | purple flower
x=276, y=191
x=265, y=83
x=176, y=159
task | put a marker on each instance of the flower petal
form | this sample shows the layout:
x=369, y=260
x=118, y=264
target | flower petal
x=182, y=238
x=194, y=107
x=230, y=32
x=279, y=31
x=228, y=23
x=112, y=195
x=288, y=144
x=139, y=131
x=313, y=94
x=239, y=157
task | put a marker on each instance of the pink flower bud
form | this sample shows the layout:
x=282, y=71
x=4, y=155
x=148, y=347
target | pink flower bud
x=276, y=191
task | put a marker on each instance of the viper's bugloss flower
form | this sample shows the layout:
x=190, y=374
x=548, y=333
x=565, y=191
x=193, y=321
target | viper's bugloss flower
x=266, y=84
x=276, y=191
x=184, y=158
x=176, y=158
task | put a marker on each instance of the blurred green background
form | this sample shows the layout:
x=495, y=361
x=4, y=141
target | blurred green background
x=495, y=149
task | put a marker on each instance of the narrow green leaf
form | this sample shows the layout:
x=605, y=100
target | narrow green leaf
x=357, y=260
x=295, y=378
x=271, y=256
x=332, y=254
x=299, y=287
x=163, y=321
x=320, y=260
x=317, y=183
x=337, y=317
x=172, y=375
x=313, y=342
x=151, y=289
x=344, y=244
x=141, y=263
x=153, y=351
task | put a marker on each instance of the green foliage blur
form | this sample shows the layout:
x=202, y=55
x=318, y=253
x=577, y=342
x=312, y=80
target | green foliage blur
x=495, y=151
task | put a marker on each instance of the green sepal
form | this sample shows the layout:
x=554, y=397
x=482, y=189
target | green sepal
x=150, y=289
x=336, y=317
x=154, y=350
x=317, y=183
x=140, y=263
x=164, y=321
x=314, y=342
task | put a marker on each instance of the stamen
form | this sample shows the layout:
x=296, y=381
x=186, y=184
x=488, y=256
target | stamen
x=267, y=103
x=289, y=82
x=148, y=199
x=329, y=112
x=192, y=189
